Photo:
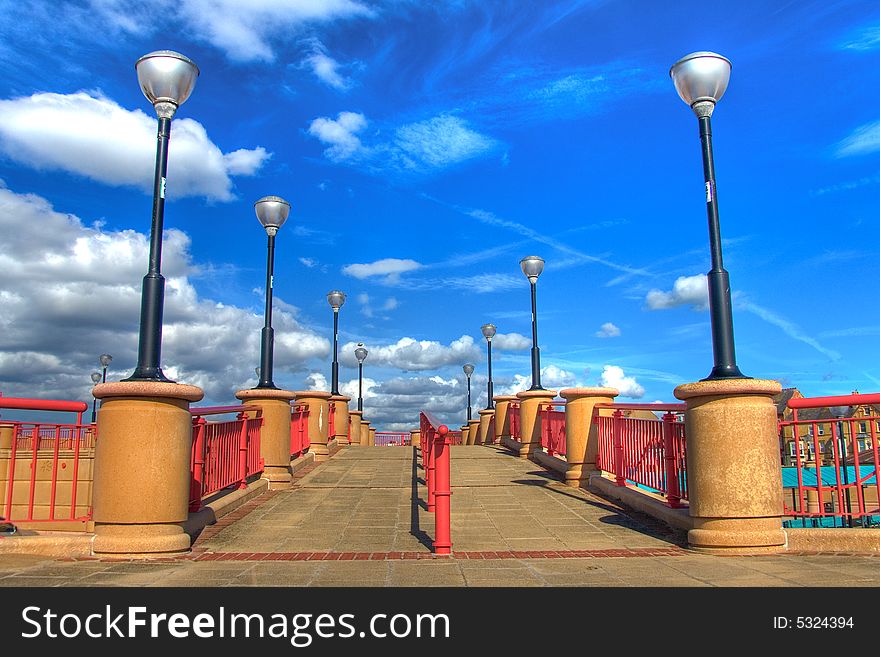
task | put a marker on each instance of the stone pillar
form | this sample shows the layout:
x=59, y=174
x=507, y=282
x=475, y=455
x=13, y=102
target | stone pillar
x=581, y=435
x=733, y=469
x=274, y=433
x=354, y=421
x=486, y=431
x=473, y=431
x=372, y=436
x=340, y=421
x=530, y=419
x=465, y=434
x=318, y=403
x=502, y=419
x=415, y=437
x=6, y=431
x=142, y=468
x=365, y=433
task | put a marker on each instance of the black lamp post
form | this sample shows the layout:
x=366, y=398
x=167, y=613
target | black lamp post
x=840, y=412
x=361, y=354
x=272, y=212
x=488, y=333
x=468, y=370
x=532, y=266
x=335, y=298
x=167, y=79
x=96, y=376
x=701, y=79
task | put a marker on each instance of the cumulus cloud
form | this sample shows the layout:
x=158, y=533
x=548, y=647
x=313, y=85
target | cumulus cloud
x=510, y=342
x=71, y=291
x=608, y=330
x=613, y=377
x=92, y=136
x=687, y=290
x=389, y=268
x=415, y=355
x=552, y=377
x=340, y=134
x=317, y=381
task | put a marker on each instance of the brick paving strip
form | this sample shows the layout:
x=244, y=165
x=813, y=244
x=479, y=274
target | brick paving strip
x=396, y=556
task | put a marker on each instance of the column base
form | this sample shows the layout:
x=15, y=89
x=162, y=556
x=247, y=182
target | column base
x=737, y=536
x=278, y=477
x=140, y=541
x=578, y=476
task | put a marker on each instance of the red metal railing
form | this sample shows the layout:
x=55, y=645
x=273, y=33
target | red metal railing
x=647, y=452
x=435, y=454
x=224, y=454
x=50, y=489
x=299, y=430
x=390, y=438
x=553, y=428
x=454, y=437
x=515, y=424
x=836, y=470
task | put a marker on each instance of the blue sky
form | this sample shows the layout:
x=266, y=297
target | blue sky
x=426, y=148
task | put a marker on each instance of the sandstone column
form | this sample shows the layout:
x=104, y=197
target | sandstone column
x=318, y=403
x=340, y=421
x=274, y=408
x=473, y=431
x=530, y=419
x=415, y=437
x=486, y=431
x=502, y=419
x=142, y=467
x=733, y=469
x=581, y=435
x=465, y=431
x=354, y=420
x=372, y=436
x=365, y=433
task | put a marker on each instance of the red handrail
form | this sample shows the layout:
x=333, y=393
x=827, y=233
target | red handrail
x=435, y=437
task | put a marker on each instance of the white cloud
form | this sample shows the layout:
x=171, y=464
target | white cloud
x=608, y=330
x=92, y=136
x=868, y=38
x=788, y=327
x=439, y=142
x=390, y=268
x=390, y=304
x=687, y=290
x=613, y=377
x=510, y=342
x=339, y=134
x=70, y=292
x=326, y=68
x=414, y=355
x=309, y=262
x=552, y=377
x=317, y=381
x=864, y=139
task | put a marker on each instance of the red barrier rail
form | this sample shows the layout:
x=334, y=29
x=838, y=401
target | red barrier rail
x=651, y=453
x=435, y=436
x=833, y=443
x=553, y=428
x=44, y=462
x=393, y=439
x=224, y=454
x=515, y=423
x=454, y=437
x=299, y=430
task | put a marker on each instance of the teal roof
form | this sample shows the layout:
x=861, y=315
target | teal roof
x=829, y=478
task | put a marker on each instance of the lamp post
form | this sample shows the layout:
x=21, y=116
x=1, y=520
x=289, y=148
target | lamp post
x=840, y=412
x=468, y=370
x=271, y=212
x=105, y=360
x=532, y=266
x=488, y=333
x=701, y=79
x=96, y=376
x=167, y=79
x=335, y=298
x=361, y=354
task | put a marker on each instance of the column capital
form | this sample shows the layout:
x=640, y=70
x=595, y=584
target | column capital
x=265, y=393
x=164, y=389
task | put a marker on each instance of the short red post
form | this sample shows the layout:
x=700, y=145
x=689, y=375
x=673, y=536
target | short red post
x=243, y=451
x=430, y=472
x=442, y=492
x=673, y=494
x=198, y=468
x=617, y=429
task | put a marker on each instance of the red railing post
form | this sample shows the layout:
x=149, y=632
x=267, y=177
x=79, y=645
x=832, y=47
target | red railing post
x=243, y=451
x=198, y=459
x=617, y=429
x=431, y=470
x=442, y=492
x=673, y=494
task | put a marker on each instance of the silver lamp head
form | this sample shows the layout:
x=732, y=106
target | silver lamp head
x=839, y=411
x=96, y=377
x=532, y=266
x=105, y=359
x=272, y=212
x=167, y=79
x=488, y=331
x=257, y=371
x=701, y=79
x=335, y=298
x=360, y=353
x=468, y=369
